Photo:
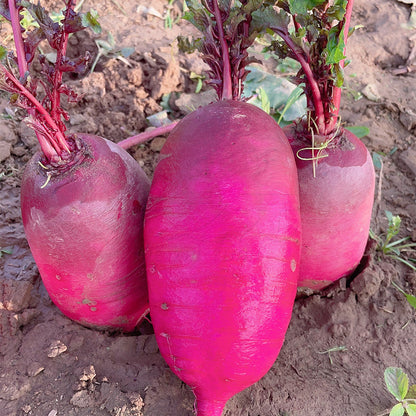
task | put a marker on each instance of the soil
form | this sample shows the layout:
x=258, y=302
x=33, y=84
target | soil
x=51, y=366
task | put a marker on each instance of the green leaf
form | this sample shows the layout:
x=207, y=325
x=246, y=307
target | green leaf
x=335, y=47
x=337, y=10
x=411, y=394
x=360, y=132
x=411, y=299
x=397, y=410
x=411, y=409
x=302, y=6
x=269, y=18
x=3, y=52
x=264, y=99
x=278, y=91
x=397, y=382
x=293, y=98
x=377, y=160
x=90, y=20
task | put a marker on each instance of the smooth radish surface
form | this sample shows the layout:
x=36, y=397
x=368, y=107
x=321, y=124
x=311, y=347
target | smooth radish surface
x=222, y=233
x=335, y=205
x=84, y=226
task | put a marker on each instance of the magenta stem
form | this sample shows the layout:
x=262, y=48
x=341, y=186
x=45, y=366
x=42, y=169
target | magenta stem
x=337, y=90
x=316, y=93
x=18, y=40
x=38, y=106
x=227, y=87
x=57, y=79
x=147, y=135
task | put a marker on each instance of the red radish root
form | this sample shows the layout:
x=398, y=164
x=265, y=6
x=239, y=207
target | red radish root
x=222, y=228
x=222, y=249
x=336, y=174
x=84, y=226
x=82, y=197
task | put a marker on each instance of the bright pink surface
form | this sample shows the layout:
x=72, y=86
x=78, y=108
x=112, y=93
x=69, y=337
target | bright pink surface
x=222, y=232
x=336, y=208
x=85, y=229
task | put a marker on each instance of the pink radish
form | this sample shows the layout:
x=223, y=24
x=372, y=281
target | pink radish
x=335, y=207
x=336, y=174
x=222, y=238
x=84, y=224
x=82, y=197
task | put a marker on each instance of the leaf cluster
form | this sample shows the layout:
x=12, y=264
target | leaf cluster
x=311, y=31
x=240, y=31
x=55, y=32
x=395, y=248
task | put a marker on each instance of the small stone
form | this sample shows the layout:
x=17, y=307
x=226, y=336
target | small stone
x=370, y=91
x=88, y=374
x=150, y=345
x=157, y=144
x=34, y=368
x=408, y=119
x=53, y=412
x=56, y=348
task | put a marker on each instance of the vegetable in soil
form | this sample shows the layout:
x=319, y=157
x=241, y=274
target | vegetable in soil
x=336, y=173
x=222, y=227
x=82, y=196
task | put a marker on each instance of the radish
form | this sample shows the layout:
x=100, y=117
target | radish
x=222, y=229
x=336, y=173
x=82, y=197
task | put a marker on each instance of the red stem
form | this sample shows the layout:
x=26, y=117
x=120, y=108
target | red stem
x=147, y=135
x=18, y=40
x=38, y=107
x=336, y=97
x=227, y=88
x=296, y=24
x=57, y=77
x=316, y=93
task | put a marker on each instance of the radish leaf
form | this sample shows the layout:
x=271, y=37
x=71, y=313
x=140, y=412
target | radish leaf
x=360, y=132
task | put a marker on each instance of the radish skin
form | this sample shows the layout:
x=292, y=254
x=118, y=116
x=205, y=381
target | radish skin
x=84, y=226
x=222, y=242
x=335, y=206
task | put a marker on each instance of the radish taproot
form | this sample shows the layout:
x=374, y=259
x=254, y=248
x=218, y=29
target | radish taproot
x=336, y=173
x=222, y=229
x=82, y=197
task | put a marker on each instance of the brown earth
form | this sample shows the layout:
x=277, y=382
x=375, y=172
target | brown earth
x=51, y=366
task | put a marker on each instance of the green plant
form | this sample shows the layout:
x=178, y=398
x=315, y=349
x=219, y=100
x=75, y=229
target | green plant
x=395, y=249
x=169, y=20
x=397, y=383
x=334, y=349
x=5, y=251
x=410, y=298
x=275, y=95
x=108, y=48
